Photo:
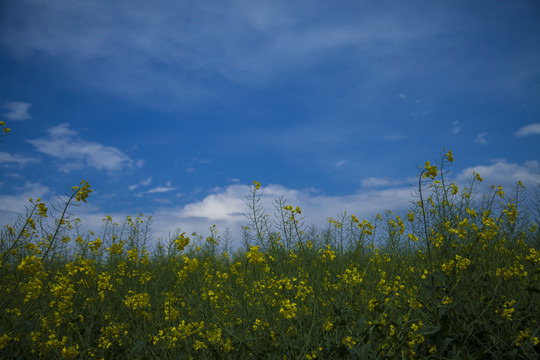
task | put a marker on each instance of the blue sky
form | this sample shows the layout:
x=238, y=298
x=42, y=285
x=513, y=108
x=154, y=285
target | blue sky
x=173, y=108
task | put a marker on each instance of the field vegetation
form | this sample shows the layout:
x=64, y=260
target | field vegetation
x=455, y=277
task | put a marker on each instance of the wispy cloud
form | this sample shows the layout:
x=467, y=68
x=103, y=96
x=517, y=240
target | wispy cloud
x=418, y=114
x=263, y=43
x=6, y=159
x=532, y=129
x=456, y=127
x=393, y=137
x=481, y=138
x=160, y=189
x=142, y=183
x=75, y=153
x=17, y=110
x=402, y=96
x=146, y=182
x=380, y=182
x=193, y=162
x=341, y=163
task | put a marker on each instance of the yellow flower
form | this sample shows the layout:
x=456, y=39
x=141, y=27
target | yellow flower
x=82, y=192
x=137, y=301
x=42, y=210
x=257, y=184
x=430, y=170
x=181, y=242
x=70, y=352
x=95, y=245
x=4, y=340
x=508, y=310
x=477, y=175
x=449, y=156
x=328, y=326
x=447, y=300
x=254, y=256
x=288, y=309
x=348, y=341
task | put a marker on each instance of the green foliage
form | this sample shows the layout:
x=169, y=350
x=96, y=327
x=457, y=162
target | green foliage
x=457, y=276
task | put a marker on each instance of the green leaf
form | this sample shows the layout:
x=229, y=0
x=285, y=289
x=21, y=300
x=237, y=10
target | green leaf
x=361, y=352
x=428, y=330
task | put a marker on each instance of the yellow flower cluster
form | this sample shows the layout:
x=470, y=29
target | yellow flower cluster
x=524, y=336
x=430, y=171
x=254, y=256
x=352, y=277
x=181, y=242
x=327, y=254
x=30, y=265
x=5, y=129
x=288, y=309
x=459, y=265
x=137, y=301
x=508, y=310
x=82, y=191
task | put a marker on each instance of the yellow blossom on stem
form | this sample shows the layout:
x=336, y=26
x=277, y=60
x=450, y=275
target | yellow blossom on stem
x=429, y=170
x=449, y=156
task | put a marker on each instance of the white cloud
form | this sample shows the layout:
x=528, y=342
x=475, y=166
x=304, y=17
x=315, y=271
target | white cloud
x=379, y=182
x=456, y=127
x=504, y=173
x=75, y=153
x=21, y=160
x=402, y=96
x=13, y=204
x=17, y=110
x=146, y=182
x=160, y=189
x=532, y=129
x=227, y=208
x=142, y=183
x=341, y=163
x=481, y=138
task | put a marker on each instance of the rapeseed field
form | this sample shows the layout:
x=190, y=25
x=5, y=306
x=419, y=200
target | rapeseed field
x=455, y=277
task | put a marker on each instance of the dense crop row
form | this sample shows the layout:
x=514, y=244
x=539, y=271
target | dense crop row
x=457, y=276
